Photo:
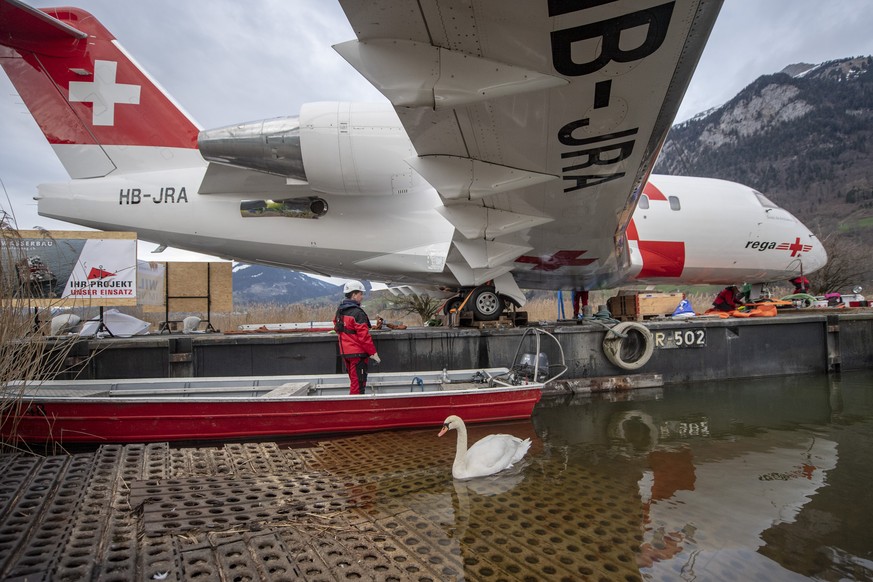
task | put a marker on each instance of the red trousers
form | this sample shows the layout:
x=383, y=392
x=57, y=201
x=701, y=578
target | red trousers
x=357, y=369
x=579, y=297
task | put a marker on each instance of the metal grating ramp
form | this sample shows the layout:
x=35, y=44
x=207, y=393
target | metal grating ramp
x=380, y=506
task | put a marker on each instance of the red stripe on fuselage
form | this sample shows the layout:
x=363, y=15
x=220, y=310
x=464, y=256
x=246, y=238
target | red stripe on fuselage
x=653, y=193
x=660, y=258
x=632, y=233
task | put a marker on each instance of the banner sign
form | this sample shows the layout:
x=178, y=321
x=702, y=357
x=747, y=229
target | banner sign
x=151, y=283
x=72, y=267
x=104, y=270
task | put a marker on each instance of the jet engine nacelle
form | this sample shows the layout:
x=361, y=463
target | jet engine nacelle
x=337, y=148
x=356, y=148
x=270, y=145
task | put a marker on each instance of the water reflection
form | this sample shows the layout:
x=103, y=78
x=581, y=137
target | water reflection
x=752, y=480
x=737, y=480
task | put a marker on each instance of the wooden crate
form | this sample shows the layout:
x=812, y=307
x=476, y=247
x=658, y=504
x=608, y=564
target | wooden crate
x=503, y=322
x=510, y=319
x=642, y=304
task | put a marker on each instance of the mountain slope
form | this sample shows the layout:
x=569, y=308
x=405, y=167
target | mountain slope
x=803, y=137
x=260, y=284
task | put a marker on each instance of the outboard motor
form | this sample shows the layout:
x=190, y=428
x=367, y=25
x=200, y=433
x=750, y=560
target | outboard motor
x=531, y=368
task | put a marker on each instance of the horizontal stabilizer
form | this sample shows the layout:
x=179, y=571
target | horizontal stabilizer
x=222, y=179
x=26, y=28
x=414, y=74
x=455, y=177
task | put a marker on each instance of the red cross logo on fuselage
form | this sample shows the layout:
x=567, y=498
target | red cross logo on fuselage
x=556, y=261
x=795, y=247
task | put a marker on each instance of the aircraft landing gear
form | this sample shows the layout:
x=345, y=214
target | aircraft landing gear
x=452, y=304
x=486, y=304
x=483, y=302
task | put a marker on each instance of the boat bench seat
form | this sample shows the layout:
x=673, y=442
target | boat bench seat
x=289, y=389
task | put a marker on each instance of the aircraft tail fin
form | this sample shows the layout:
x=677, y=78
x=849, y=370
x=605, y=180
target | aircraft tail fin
x=98, y=109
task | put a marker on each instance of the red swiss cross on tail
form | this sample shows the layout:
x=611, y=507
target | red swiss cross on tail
x=103, y=93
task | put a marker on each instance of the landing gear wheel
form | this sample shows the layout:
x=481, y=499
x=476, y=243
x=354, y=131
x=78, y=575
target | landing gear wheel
x=452, y=303
x=486, y=304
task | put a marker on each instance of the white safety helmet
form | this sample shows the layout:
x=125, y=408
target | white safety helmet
x=353, y=286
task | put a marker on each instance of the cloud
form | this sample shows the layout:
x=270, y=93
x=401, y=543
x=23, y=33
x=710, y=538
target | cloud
x=228, y=62
x=753, y=38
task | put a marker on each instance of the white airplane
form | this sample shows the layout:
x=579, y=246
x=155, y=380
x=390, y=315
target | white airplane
x=515, y=153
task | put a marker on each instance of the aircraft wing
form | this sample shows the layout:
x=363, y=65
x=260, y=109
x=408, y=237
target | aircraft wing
x=537, y=122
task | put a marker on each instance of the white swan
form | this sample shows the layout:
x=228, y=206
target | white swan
x=490, y=455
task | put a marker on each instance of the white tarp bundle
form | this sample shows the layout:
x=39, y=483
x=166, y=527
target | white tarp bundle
x=119, y=324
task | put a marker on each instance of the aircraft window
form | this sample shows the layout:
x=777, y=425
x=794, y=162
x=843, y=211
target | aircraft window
x=765, y=202
x=644, y=202
x=674, y=203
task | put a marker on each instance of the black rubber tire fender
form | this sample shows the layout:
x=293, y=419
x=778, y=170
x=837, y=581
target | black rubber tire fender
x=617, y=336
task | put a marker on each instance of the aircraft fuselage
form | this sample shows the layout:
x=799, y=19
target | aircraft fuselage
x=403, y=239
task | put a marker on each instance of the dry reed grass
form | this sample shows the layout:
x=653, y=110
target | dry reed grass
x=26, y=357
x=543, y=306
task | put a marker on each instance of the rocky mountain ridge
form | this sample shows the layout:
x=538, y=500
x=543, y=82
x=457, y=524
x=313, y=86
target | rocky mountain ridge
x=803, y=137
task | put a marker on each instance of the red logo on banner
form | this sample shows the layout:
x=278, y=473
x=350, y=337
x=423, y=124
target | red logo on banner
x=96, y=273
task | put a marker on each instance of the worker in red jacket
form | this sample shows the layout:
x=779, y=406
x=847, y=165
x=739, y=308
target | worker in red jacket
x=728, y=299
x=801, y=284
x=353, y=332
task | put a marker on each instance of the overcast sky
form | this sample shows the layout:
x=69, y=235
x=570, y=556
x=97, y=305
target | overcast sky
x=228, y=61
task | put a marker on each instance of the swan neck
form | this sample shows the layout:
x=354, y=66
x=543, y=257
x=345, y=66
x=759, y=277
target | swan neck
x=461, y=451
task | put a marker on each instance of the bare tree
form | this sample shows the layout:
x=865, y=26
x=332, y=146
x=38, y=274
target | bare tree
x=423, y=305
x=847, y=265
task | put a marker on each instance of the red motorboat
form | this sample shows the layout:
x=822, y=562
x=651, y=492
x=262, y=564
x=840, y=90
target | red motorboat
x=148, y=410
x=228, y=408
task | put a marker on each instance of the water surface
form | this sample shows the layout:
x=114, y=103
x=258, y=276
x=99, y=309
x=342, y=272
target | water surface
x=760, y=480
x=763, y=479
